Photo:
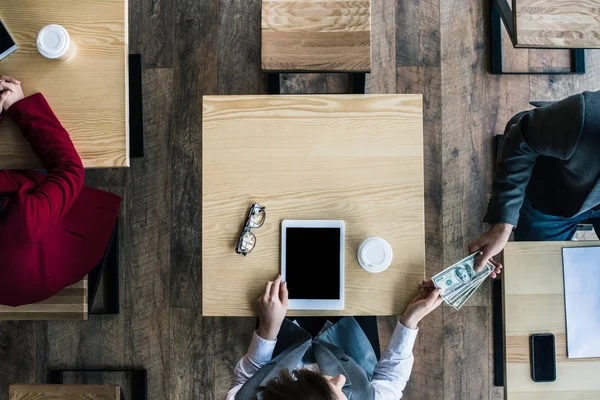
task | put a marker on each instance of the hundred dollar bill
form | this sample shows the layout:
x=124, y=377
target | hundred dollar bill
x=458, y=302
x=457, y=278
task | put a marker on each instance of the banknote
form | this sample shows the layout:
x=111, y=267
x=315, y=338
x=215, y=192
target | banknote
x=459, y=281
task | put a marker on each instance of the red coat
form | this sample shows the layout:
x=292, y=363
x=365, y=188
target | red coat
x=54, y=230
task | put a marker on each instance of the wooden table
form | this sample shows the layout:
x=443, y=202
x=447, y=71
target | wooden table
x=71, y=303
x=316, y=35
x=88, y=93
x=557, y=23
x=358, y=158
x=64, y=392
x=534, y=303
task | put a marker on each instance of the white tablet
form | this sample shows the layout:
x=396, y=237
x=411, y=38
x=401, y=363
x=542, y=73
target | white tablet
x=312, y=263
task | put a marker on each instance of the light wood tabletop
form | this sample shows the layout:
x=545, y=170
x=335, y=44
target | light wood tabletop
x=357, y=158
x=534, y=303
x=64, y=392
x=71, y=303
x=557, y=23
x=88, y=93
x=316, y=35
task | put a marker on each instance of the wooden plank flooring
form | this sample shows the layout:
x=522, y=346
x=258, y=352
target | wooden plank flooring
x=196, y=47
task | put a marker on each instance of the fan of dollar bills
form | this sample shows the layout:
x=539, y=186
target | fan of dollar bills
x=458, y=282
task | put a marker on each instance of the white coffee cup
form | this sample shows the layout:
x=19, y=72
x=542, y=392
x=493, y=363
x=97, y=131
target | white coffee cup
x=54, y=43
x=375, y=254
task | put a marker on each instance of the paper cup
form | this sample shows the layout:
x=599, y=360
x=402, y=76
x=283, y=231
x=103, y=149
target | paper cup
x=54, y=43
x=375, y=254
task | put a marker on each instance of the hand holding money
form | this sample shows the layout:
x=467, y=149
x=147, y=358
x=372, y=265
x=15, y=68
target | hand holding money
x=424, y=303
x=458, y=282
x=489, y=244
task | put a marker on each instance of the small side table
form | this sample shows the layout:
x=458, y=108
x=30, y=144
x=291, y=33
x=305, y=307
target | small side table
x=64, y=392
x=559, y=24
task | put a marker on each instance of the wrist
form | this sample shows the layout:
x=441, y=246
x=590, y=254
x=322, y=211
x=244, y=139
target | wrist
x=503, y=227
x=267, y=333
x=409, y=321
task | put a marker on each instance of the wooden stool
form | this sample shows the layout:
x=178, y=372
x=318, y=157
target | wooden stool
x=64, y=392
x=316, y=35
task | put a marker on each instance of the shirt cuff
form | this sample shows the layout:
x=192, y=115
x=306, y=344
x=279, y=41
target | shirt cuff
x=403, y=340
x=260, y=350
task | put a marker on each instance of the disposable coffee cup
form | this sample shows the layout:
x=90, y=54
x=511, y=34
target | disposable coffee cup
x=54, y=43
x=375, y=254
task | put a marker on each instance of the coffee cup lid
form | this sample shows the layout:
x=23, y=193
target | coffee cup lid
x=53, y=41
x=375, y=254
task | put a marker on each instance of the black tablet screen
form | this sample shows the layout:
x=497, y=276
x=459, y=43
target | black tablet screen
x=5, y=40
x=313, y=263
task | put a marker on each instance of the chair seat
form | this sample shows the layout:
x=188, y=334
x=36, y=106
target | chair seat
x=69, y=304
x=64, y=392
x=318, y=36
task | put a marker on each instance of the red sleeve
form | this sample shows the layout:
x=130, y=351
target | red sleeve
x=51, y=199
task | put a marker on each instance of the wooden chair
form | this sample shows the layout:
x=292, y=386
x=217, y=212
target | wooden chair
x=64, y=392
x=316, y=35
x=73, y=302
x=69, y=304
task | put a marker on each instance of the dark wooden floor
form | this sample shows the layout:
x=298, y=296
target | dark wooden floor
x=196, y=47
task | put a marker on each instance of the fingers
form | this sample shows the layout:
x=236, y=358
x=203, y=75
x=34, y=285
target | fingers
x=267, y=292
x=283, y=294
x=426, y=283
x=483, y=258
x=4, y=85
x=475, y=245
x=9, y=79
x=3, y=98
x=435, y=293
x=275, y=287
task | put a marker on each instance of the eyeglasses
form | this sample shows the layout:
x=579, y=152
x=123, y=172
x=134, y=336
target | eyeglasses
x=256, y=219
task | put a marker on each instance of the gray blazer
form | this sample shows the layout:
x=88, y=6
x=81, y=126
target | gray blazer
x=551, y=155
x=332, y=360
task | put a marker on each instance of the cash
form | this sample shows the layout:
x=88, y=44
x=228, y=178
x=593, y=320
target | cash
x=458, y=282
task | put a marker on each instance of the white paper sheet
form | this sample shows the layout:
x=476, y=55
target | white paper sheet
x=581, y=266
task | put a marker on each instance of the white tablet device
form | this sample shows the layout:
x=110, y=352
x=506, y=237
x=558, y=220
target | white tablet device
x=312, y=263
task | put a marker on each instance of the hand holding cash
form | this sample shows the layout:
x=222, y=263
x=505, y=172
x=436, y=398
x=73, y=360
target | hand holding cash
x=458, y=282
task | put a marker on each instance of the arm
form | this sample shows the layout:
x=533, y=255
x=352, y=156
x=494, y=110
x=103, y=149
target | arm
x=393, y=369
x=551, y=131
x=259, y=353
x=272, y=306
x=50, y=200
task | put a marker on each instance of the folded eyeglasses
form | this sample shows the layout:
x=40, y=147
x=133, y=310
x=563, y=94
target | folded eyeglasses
x=256, y=219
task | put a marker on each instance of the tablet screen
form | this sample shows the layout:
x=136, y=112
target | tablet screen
x=5, y=40
x=313, y=263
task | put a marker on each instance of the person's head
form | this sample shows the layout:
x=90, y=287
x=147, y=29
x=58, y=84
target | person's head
x=463, y=274
x=303, y=384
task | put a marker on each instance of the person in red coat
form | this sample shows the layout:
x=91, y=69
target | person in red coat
x=53, y=230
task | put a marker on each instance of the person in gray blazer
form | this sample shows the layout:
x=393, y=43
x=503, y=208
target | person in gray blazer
x=285, y=362
x=547, y=175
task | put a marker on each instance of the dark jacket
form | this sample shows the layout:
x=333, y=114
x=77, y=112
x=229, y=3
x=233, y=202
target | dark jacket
x=551, y=155
x=53, y=230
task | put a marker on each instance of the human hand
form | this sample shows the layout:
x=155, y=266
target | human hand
x=11, y=91
x=491, y=243
x=423, y=303
x=272, y=307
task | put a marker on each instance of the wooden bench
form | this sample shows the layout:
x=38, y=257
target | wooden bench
x=64, y=392
x=316, y=35
x=69, y=304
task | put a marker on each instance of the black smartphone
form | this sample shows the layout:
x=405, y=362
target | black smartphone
x=543, y=357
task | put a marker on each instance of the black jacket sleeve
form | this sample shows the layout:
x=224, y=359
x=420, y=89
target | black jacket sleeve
x=551, y=131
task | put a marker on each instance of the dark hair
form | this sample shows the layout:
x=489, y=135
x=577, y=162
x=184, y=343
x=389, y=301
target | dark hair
x=301, y=384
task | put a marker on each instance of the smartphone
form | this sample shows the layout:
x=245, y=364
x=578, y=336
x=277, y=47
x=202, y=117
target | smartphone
x=543, y=357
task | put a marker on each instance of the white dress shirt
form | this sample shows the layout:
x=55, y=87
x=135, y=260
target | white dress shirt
x=389, y=378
